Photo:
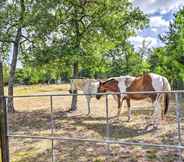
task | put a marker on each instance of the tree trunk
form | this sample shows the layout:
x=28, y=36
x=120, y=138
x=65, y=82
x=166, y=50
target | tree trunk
x=12, y=70
x=76, y=65
x=3, y=129
x=75, y=76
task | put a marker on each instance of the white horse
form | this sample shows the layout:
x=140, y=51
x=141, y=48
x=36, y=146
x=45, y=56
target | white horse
x=88, y=86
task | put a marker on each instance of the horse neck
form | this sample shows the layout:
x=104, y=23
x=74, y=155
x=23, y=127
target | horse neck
x=80, y=84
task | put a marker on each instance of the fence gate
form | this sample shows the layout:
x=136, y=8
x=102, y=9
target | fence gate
x=5, y=135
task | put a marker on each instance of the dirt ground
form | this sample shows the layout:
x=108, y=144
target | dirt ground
x=33, y=117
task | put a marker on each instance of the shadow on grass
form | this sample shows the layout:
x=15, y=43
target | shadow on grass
x=40, y=121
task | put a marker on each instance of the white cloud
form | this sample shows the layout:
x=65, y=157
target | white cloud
x=157, y=21
x=162, y=6
x=137, y=41
x=154, y=30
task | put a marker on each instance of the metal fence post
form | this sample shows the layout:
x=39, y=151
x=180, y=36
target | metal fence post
x=107, y=126
x=52, y=127
x=178, y=125
x=4, y=140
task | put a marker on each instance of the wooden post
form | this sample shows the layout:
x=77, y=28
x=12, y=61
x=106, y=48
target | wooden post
x=3, y=124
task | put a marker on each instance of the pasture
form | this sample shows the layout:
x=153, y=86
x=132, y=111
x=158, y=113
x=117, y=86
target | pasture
x=33, y=117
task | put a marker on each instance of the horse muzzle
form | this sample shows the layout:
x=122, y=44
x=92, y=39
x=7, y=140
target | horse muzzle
x=98, y=97
x=72, y=91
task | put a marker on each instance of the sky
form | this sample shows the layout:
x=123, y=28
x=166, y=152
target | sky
x=160, y=13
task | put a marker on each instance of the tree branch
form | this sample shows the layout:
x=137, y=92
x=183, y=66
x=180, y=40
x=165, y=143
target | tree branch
x=27, y=39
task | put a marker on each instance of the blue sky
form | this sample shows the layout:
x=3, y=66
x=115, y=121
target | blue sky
x=160, y=13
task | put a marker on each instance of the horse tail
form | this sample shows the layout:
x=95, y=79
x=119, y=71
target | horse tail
x=167, y=87
x=166, y=103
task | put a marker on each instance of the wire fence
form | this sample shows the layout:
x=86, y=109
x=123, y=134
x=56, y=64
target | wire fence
x=107, y=139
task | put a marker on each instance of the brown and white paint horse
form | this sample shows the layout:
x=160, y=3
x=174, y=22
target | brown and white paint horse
x=145, y=82
x=114, y=85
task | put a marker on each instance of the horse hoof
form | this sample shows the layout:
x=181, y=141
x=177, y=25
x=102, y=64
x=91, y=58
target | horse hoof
x=88, y=114
x=71, y=110
x=128, y=120
x=151, y=127
x=148, y=127
x=117, y=118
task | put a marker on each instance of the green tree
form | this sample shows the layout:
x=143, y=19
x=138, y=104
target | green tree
x=124, y=60
x=17, y=23
x=84, y=31
x=12, y=16
x=169, y=60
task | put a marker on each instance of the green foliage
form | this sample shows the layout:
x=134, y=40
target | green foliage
x=124, y=60
x=81, y=31
x=56, y=34
x=48, y=73
x=169, y=60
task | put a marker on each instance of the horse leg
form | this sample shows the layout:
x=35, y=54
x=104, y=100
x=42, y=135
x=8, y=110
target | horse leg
x=156, y=113
x=129, y=109
x=119, y=104
x=88, y=101
x=162, y=97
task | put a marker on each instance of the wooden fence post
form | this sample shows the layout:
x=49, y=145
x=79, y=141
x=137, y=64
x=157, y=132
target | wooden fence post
x=3, y=123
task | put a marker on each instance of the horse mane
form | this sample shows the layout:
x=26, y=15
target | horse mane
x=109, y=80
x=117, y=78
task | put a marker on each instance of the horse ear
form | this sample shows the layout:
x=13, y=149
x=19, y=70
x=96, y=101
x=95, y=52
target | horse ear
x=100, y=82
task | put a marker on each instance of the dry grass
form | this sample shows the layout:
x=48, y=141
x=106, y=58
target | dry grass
x=33, y=118
x=40, y=88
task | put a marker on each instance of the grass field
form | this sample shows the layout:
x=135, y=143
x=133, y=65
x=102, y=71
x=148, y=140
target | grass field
x=34, y=89
x=33, y=117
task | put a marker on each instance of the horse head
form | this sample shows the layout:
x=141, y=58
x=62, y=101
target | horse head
x=100, y=89
x=110, y=85
x=72, y=91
